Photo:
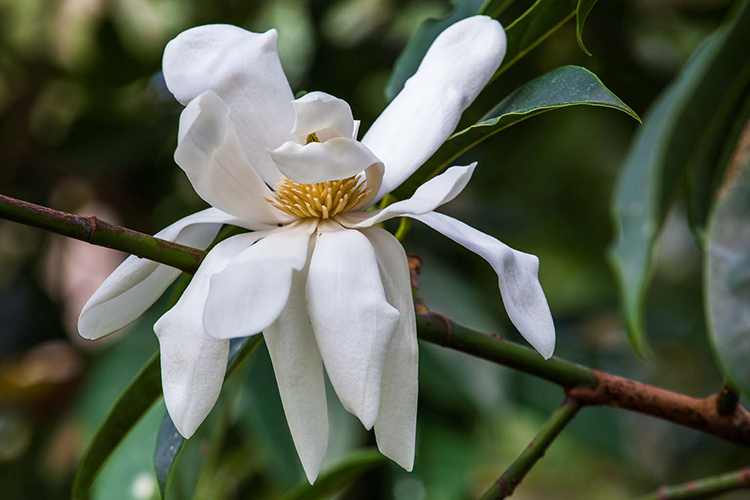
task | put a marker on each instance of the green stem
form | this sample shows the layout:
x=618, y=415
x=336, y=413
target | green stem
x=403, y=228
x=703, y=488
x=437, y=329
x=99, y=232
x=585, y=385
x=514, y=474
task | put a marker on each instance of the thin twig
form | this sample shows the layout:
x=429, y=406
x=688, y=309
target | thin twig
x=587, y=386
x=703, y=488
x=514, y=474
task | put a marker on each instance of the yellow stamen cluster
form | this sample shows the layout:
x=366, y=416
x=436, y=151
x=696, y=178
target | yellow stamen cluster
x=322, y=200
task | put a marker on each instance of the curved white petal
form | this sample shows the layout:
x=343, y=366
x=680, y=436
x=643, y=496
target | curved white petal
x=352, y=320
x=192, y=363
x=318, y=111
x=373, y=179
x=425, y=113
x=243, y=69
x=396, y=425
x=210, y=153
x=137, y=283
x=517, y=273
x=436, y=192
x=337, y=158
x=250, y=293
x=299, y=373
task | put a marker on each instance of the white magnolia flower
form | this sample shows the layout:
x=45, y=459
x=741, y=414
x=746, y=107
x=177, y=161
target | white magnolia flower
x=316, y=276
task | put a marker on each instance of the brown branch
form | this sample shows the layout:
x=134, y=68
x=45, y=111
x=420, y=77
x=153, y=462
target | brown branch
x=588, y=386
x=697, y=413
x=585, y=385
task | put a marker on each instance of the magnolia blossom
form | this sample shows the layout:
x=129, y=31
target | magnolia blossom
x=324, y=284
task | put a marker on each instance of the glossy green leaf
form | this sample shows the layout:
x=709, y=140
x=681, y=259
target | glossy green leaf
x=560, y=88
x=408, y=62
x=728, y=273
x=337, y=477
x=169, y=442
x=542, y=19
x=582, y=13
x=679, y=135
x=133, y=403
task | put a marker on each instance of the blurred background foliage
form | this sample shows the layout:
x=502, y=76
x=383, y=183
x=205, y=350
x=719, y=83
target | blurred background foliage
x=88, y=126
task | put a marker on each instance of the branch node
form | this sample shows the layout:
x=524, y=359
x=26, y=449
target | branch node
x=90, y=227
x=727, y=400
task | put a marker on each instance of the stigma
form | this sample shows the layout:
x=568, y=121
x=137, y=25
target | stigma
x=321, y=200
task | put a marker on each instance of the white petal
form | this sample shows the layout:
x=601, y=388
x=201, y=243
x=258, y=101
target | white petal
x=192, y=363
x=352, y=320
x=436, y=192
x=137, y=283
x=243, y=69
x=396, y=425
x=337, y=158
x=209, y=152
x=299, y=373
x=517, y=272
x=373, y=178
x=318, y=111
x=248, y=296
x=425, y=113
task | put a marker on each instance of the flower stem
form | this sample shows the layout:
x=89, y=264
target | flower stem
x=403, y=228
x=703, y=488
x=514, y=474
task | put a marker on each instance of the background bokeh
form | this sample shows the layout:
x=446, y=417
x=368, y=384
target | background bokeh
x=88, y=126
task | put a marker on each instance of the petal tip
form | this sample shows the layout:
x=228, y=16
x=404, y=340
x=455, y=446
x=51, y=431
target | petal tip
x=312, y=475
x=184, y=430
x=547, y=347
x=404, y=460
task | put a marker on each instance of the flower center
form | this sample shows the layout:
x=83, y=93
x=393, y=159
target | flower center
x=321, y=200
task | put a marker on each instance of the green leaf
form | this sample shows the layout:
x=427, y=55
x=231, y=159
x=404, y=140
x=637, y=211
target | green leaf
x=494, y=8
x=728, y=272
x=408, y=62
x=132, y=404
x=134, y=401
x=560, y=88
x=169, y=445
x=682, y=132
x=582, y=13
x=169, y=442
x=265, y=424
x=542, y=19
x=705, y=178
x=337, y=477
